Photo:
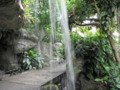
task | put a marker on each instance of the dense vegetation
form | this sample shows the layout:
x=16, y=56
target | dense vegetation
x=99, y=49
x=100, y=62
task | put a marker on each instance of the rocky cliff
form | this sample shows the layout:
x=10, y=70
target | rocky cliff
x=13, y=40
x=11, y=12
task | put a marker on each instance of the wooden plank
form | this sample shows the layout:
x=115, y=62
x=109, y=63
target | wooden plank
x=34, y=77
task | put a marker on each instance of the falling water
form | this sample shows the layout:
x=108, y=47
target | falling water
x=36, y=16
x=58, y=13
x=36, y=6
x=52, y=36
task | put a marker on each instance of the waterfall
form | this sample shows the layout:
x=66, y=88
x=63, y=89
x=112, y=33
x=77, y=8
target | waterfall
x=36, y=17
x=58, y=13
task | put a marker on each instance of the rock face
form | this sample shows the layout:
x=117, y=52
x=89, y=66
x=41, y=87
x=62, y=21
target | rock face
x=85, y=84
x=44, y=49
x=13, y=43
x=25, y=42
x=0, y=35
x=11, y=14
x=82, y=82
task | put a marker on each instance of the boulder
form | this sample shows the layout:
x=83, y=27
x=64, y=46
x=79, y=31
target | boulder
x=11, y=14
x=83, y=83
x=25, y=42
x=45, y=50
x=8, y=60
x=13, y=43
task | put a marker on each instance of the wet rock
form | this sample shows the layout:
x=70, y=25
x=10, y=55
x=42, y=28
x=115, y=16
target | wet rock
x=0, y=35
x=56, y=47
x=25, y=41
x=45, y=50
x=78, y=64
x=3, y=75
x=13, y=43
x=11, y=12
x=8, y=60
x=83, y=83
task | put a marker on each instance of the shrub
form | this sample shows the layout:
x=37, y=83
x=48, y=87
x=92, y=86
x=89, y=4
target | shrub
x=100, y=62
x=32, y=60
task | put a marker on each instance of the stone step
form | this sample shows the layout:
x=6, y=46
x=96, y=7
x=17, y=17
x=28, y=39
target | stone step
x=32, y=80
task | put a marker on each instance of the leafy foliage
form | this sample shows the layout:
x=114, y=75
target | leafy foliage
x=95, y=48
x=100, y=63
x=29, y=14
x=98, y=52
x=36, y=13
x=112, y=78
x=58, y=35
x=79, y=10
x=32, y=60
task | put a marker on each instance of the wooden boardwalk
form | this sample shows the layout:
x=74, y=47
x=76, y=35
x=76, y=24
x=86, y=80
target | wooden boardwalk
x=32, y=80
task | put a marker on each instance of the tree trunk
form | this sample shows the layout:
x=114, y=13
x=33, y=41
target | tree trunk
x=116, y=55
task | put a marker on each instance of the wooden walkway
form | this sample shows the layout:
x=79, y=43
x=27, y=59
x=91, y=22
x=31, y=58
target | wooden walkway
x=32, y=80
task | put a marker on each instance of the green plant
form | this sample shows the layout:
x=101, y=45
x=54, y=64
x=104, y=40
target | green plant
x=76, y=69
x=106, y=12
x=100, y=62
x=32, y=60
x=19, y=70
x=112, y=78
x=58, y=36
x=36, y=13
x=47, y=87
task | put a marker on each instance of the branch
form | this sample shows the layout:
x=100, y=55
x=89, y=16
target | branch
x=98, y=11
x=97, y=8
